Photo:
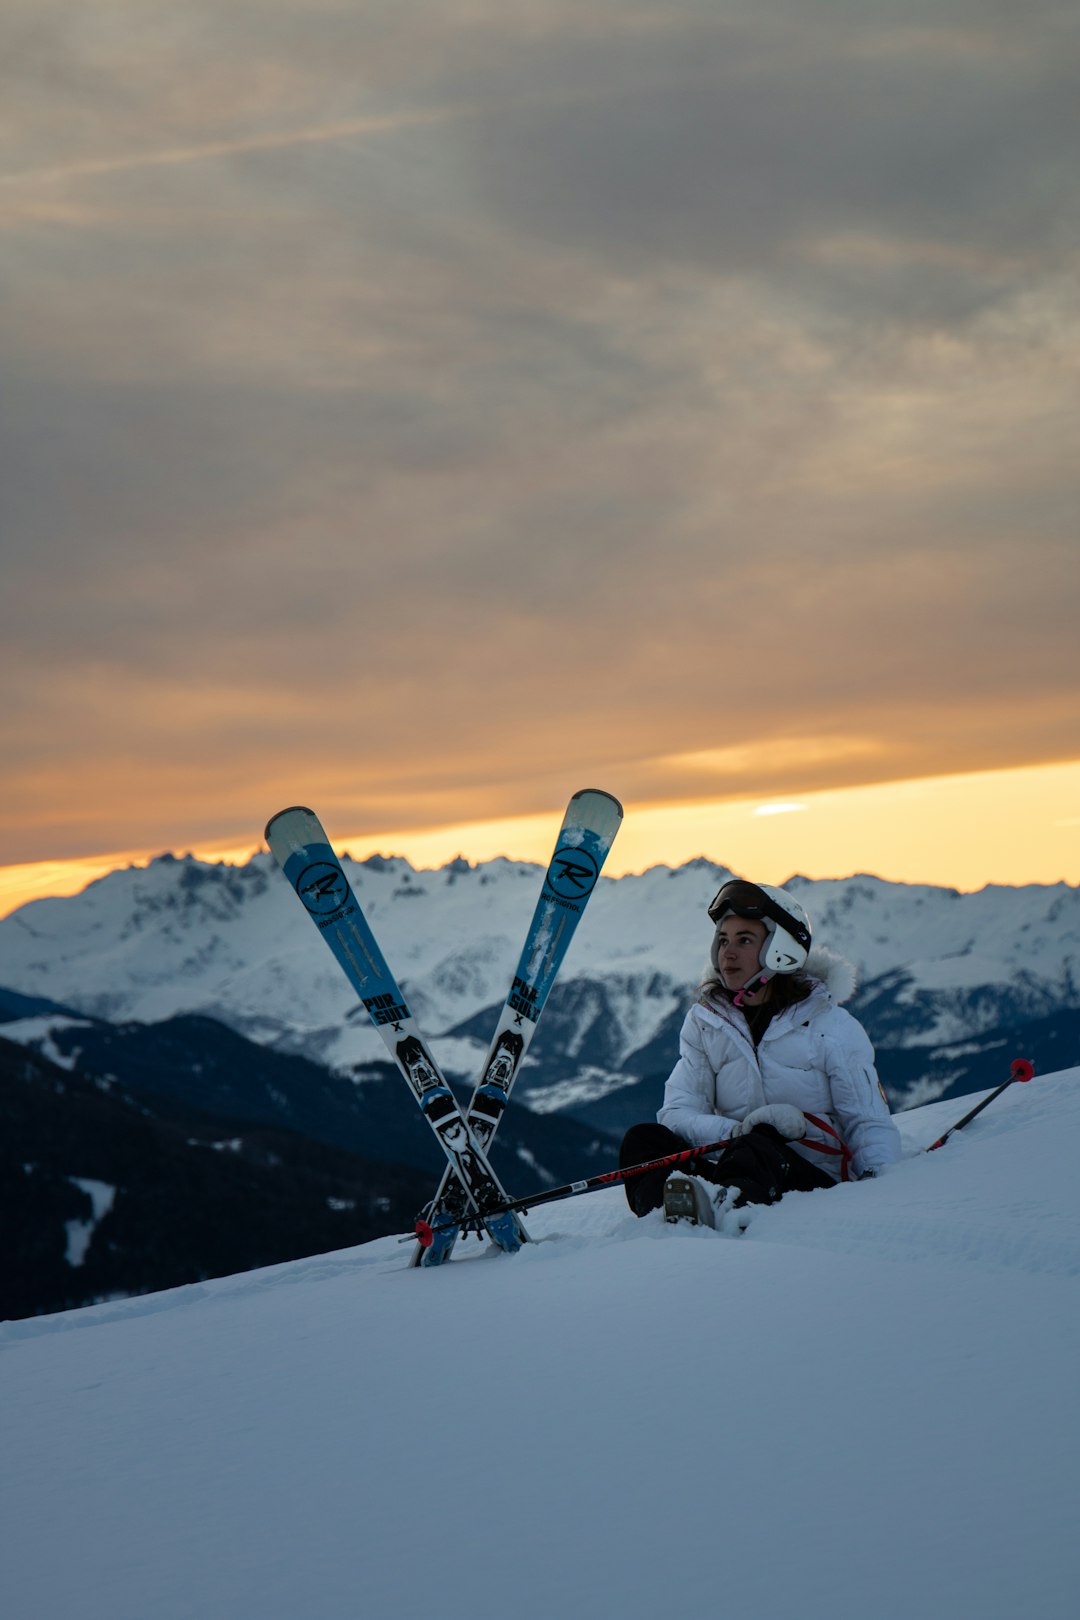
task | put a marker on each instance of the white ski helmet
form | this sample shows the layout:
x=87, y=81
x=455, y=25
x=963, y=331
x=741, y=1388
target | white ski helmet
x=787, y=938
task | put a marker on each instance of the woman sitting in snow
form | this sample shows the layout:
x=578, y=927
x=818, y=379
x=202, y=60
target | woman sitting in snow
x=769, y=1060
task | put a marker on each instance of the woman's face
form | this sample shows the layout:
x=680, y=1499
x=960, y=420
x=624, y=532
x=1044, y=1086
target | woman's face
x=738, y=950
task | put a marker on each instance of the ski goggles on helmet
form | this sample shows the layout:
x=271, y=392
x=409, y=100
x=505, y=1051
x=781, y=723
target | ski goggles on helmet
x=787, y=933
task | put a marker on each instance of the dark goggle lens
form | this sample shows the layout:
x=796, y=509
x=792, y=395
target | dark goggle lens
x=746, y=900
x=743, y=899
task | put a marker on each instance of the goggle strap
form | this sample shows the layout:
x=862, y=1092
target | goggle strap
x=759, y=910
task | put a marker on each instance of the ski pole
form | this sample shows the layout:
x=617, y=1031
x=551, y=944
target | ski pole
x=1021, y=1070
x=426, y=1230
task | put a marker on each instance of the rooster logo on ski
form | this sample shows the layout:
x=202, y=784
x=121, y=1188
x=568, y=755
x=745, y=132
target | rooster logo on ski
x=323, y=888
x=572, y=874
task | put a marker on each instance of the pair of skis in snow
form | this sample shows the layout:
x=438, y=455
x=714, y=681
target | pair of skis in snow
x=470, y=1193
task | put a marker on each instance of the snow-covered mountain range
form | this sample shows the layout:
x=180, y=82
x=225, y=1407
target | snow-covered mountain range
x=866, y=1406
x=942, y=974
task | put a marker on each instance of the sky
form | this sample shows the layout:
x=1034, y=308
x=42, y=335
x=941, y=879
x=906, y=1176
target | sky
x=422, y=411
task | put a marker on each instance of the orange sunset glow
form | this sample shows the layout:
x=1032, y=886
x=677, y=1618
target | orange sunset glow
x=421, y=422
x=1008, y=827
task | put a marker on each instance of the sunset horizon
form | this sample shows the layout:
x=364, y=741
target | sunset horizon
x=421, y=415
x=1028, y=832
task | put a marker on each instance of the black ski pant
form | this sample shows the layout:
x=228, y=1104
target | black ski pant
x=761, y=1165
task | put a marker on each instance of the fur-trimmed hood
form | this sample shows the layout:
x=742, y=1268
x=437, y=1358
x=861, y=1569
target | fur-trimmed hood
x=835, y=973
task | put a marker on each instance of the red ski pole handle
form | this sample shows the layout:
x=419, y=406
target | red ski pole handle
x=1021, y=1069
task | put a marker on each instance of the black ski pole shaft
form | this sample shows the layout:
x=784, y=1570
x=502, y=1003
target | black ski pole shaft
x=1021, y=1070
x=425, y=1231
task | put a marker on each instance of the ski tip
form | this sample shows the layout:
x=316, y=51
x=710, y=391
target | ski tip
x=291, y=810
x=599, y=793
x=1023, y=1069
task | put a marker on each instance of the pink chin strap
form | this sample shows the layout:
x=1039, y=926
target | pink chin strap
x=750, y=986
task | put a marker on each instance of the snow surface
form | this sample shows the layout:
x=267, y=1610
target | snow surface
x=865, y=1408
x=40, y=1032
x=80, y=1233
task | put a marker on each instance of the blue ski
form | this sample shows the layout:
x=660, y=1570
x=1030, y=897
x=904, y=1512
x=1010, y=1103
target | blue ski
x=302, y=850
x=588, y=831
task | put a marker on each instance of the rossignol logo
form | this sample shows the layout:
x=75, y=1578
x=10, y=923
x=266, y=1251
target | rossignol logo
x=322, y=888
x=573, y=874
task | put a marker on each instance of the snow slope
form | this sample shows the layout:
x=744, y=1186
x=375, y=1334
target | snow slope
x=865, y=1407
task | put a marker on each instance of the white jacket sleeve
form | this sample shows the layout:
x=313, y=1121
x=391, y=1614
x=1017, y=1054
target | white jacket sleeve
x=690, y=1093
x=862, y=1113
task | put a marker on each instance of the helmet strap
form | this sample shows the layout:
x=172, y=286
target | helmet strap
x=751, y=985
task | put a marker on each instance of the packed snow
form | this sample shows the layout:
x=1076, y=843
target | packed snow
x=866, y=1406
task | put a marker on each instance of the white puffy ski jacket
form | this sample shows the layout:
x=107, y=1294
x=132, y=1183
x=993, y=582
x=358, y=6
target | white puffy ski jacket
x=813, y=1054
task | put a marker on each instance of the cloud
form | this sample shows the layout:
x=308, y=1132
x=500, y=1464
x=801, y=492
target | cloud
x=433, y=403
x=740, y=145
x=240, y=146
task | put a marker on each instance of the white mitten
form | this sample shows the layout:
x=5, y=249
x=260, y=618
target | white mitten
x=784, y=1118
